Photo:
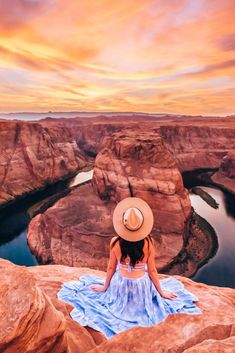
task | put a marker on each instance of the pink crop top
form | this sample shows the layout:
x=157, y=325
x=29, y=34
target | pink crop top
x=138, y=267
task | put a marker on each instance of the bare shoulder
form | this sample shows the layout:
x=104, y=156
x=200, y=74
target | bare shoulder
x=113, y=240
x=149, y=246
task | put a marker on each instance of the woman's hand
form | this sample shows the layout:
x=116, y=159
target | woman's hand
x=98, y=288
x=168, y=295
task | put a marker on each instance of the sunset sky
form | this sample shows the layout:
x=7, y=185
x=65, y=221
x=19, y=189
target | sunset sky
x=163, y=56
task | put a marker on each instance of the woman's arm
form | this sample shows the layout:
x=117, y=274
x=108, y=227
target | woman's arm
x=110, y=269
x=153, y=274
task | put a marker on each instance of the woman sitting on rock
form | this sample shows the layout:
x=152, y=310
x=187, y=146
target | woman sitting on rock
x=131, y=295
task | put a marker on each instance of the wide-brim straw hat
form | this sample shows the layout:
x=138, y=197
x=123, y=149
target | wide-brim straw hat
x=133, y=219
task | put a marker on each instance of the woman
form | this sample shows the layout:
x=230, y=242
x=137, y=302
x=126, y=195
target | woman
x=131, y=295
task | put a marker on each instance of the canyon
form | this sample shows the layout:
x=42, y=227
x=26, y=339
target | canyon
x=77, y=229
x=32, y=319
x=33, y=156
x=36, y=154
x=132, y=155
x=143, y=160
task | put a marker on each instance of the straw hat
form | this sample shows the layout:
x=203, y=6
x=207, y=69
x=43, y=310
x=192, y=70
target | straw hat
x=133, y=219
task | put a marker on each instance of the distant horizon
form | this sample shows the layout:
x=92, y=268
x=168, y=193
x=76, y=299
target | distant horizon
x=111, y=112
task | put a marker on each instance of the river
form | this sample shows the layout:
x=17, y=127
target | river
x=219, y=270
x=14, y=223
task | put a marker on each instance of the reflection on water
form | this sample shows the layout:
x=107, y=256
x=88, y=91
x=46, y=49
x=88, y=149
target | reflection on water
x=17, y=251
x=14, y=221
x=220, y=270
x=81, y=178
x=12, y=225
x=229, y=204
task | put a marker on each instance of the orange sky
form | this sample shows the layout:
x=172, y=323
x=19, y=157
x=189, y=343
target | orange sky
x=171, y=56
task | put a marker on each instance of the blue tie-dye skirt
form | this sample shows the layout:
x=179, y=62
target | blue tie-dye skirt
x=127, y=302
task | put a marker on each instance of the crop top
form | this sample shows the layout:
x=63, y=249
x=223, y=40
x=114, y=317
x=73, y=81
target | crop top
x=138, y=267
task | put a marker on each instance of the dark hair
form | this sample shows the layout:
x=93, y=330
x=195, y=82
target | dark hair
x=132, y=249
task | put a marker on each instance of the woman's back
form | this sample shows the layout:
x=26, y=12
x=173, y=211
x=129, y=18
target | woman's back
x=128, y=296
x=124, y=265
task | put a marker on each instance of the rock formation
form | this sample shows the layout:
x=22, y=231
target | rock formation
x=197, y=142
x=214, y=328
x=77, y=229
x=28, y=320
x=141, y=166
x=225, y=177
x=213, y=345
x=90, y=133
x=198, y=146
x=32, y=156
x=33, y=320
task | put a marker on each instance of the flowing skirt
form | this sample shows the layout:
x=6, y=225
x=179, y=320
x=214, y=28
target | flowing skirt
x=127, y=302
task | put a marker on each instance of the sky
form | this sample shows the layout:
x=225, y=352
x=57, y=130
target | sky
x=159, y=56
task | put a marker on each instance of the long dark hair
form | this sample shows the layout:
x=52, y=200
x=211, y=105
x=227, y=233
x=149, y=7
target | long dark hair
x=132, y=249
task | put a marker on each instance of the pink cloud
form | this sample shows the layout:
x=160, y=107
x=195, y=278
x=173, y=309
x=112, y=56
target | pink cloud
x=227, y=42
x=17, y=13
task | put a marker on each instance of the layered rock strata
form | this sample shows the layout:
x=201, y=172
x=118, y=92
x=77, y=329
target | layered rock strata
x=196, y=141
x=32, y=156
x=75, y=231
x=225, y=177
x=199, y=147
x=28, y=320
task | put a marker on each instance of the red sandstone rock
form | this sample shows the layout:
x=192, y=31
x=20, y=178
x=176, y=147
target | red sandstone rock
x=28, y=320
x=49, y=279
x=196, y=141
x=75, y=230
x=225, y=176
x=214, y=328
x=141, y=166
x=216, y=325
x=198, y=146
x=25, y=294
x=226, y=345
x=32, y=156
x=89, y=133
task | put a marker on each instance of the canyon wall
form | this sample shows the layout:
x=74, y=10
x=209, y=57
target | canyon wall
x=199, y=147
x=89, y=133
x=197, y=142
x=28, y=320
x=75, y=231
x=32, y=156
x=225, y=176
x=35, y=154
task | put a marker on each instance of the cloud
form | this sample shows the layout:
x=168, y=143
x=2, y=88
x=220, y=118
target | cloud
x=33, y=62
x=224, y=67
x=147, y=55
x=17, y=13
x=227, y=42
